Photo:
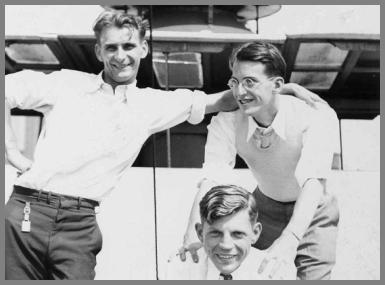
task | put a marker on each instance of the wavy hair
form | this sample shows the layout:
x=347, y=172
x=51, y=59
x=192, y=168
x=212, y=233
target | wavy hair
x=264, y=53
x=225, y=200
x=119, y=19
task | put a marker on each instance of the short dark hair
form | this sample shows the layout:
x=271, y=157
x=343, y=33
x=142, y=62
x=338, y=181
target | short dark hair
x=119, y=19
x=264, y=53
x=225, y=200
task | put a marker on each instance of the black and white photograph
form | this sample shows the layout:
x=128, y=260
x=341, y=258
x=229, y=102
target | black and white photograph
x=192, y=142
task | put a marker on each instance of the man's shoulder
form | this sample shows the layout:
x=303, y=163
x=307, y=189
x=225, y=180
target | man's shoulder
x=62, y=78
x=75, y=74
x=257, y=254
x=69, y=78
x=292, y=102
x=295, y=105
x=225, y=121
x=230, y=116
x=301, y=114
x=74, y=71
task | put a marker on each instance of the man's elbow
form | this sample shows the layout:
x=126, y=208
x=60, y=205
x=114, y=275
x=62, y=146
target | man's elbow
x=316, y=185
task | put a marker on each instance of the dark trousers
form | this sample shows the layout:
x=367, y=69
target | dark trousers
x=63, y=241
x=316, y=253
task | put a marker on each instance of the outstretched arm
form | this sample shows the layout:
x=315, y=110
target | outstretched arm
x=311, y=172
x=224, y=101
x=284, y=249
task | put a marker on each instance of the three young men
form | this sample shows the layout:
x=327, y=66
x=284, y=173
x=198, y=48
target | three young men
x=94, y=127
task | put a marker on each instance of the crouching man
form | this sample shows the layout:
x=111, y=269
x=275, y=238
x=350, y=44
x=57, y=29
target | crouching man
x=227, y=230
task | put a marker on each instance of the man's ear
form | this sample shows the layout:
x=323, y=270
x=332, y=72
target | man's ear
x=278, y=84
x=98, y=52
x=199, y=230
x=257, y=229
x=145, y=49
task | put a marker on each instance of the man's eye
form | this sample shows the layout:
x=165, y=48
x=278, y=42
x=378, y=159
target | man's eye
x=110, y=48
x=249, y=82
x=214, y=234
x=238, y=234
x=128, y=47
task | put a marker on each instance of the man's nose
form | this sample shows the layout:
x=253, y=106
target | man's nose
x=120, y=54
x=239, y=90
x=226, y=242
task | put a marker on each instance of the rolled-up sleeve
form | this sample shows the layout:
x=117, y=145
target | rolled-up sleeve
x=198, y=107
x=31, y=90
x=318, y=146
x=220, y=150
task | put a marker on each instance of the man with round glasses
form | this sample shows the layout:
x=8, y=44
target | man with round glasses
x=288, y=147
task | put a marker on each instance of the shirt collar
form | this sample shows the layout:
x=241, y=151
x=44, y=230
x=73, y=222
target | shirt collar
x=278, y=125
x=98, y=83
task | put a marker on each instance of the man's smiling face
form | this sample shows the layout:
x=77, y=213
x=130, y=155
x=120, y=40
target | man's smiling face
x=228, y=240
x=253, y=90
x=120, y=50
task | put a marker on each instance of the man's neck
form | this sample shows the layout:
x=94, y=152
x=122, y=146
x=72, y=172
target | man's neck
x=265, y=116
x=114, y=84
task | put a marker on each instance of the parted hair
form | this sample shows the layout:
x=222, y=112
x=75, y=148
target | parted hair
x=225, y=200
x=264, y=53
x=119, y=19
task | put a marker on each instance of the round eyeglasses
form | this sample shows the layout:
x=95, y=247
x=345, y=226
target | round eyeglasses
x=247, y=83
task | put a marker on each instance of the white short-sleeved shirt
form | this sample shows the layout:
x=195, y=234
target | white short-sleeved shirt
x=91, y=135
x=301, y=143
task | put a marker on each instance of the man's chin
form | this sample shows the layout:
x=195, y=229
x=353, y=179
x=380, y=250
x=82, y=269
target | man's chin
x=226, y=268
x=124, y=79
x=250, y=112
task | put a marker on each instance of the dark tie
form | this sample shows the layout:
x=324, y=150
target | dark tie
x=226, y=276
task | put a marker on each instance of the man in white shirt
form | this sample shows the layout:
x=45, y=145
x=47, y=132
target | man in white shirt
x=94, y=127
x=288, y=147
x=228, y=227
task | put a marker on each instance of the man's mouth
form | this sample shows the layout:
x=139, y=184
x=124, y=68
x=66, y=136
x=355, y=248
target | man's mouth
x=121, y=66
x=245, y=100
x=226, y=257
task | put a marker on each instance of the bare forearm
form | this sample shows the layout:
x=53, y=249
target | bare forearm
x=284, y=248
x=305, y=207
x=221, y=101
x=194, y=213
